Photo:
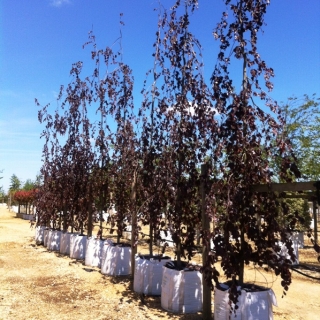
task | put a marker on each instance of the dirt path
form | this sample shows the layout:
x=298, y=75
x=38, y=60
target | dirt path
x=37, y=284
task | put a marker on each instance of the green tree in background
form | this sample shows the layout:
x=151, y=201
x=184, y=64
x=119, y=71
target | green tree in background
x=2, y=195
x=15, y=183
x=303, y=129
x=302, y=116
x=38, y=181
x=29, y=185
x=301, y=207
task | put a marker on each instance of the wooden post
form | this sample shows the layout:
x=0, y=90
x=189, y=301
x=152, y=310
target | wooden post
x=133, y=223
x=65, y=229
x=315, y=220
x=90, y=212
x=151, y=234
x=206, y=303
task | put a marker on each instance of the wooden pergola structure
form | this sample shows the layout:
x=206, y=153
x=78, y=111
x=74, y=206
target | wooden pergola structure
x=305, y=190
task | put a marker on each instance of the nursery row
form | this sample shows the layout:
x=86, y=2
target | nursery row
x=180, y=290
x=185, y=160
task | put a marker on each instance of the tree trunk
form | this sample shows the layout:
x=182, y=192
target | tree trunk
x=133, y=223
x=206, y=303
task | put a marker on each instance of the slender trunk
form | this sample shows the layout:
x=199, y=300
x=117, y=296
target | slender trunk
x=60, y=220
x=241, y=265
x=315, y=220
x=133, y=222
x=151, y=239
x=90, y=211
x=72, y=219
x=65, y=228
x=244, y=97
x=206, y=304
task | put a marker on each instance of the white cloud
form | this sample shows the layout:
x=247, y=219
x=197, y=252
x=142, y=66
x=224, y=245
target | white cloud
x=191, y=109
x=59, y=3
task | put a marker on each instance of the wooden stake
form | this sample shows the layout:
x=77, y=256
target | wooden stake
x=206, y=303
x=133, y=223
x=315, y=220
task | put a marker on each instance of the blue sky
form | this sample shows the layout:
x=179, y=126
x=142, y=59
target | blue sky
x=40, y=39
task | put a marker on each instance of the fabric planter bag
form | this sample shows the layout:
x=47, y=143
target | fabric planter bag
x=127, y=232
x=28, y=217
x=256, y=305
x=298, y=237
x=45, y=236
x=181, y=291
x=148, y=274
x=116, y=259
x=54, y=241
x=78, y=246
x=49, y=239
x=295, y=245
x=166, y=239
x=65, y=243
x=39, y=234
x=93, y=252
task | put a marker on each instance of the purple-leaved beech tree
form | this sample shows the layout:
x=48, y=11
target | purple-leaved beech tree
x=247, y=229
x=181, y=133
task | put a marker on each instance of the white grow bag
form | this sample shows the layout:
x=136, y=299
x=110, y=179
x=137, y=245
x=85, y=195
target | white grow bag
x=78, y=246
x=39, y=234
x=54, y=240
x=127, y=233
x=29, y=217
x=295, y=245
x=93, y=252
x=47, y=237
x=15, y=209
x=65, y=243
x=148, y=275
x=252, y=305
x=116, y=260
x=166, y=239
x=298, y=237
x=181, y=291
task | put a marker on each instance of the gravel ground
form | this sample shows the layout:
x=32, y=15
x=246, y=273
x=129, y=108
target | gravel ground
x=38, y=284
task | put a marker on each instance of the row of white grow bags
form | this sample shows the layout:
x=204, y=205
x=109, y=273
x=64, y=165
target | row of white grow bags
x=113, y=259
x=150, y=278
x=180, y=290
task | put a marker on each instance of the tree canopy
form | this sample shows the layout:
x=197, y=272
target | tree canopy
x=15, y=183
x=302, y=128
